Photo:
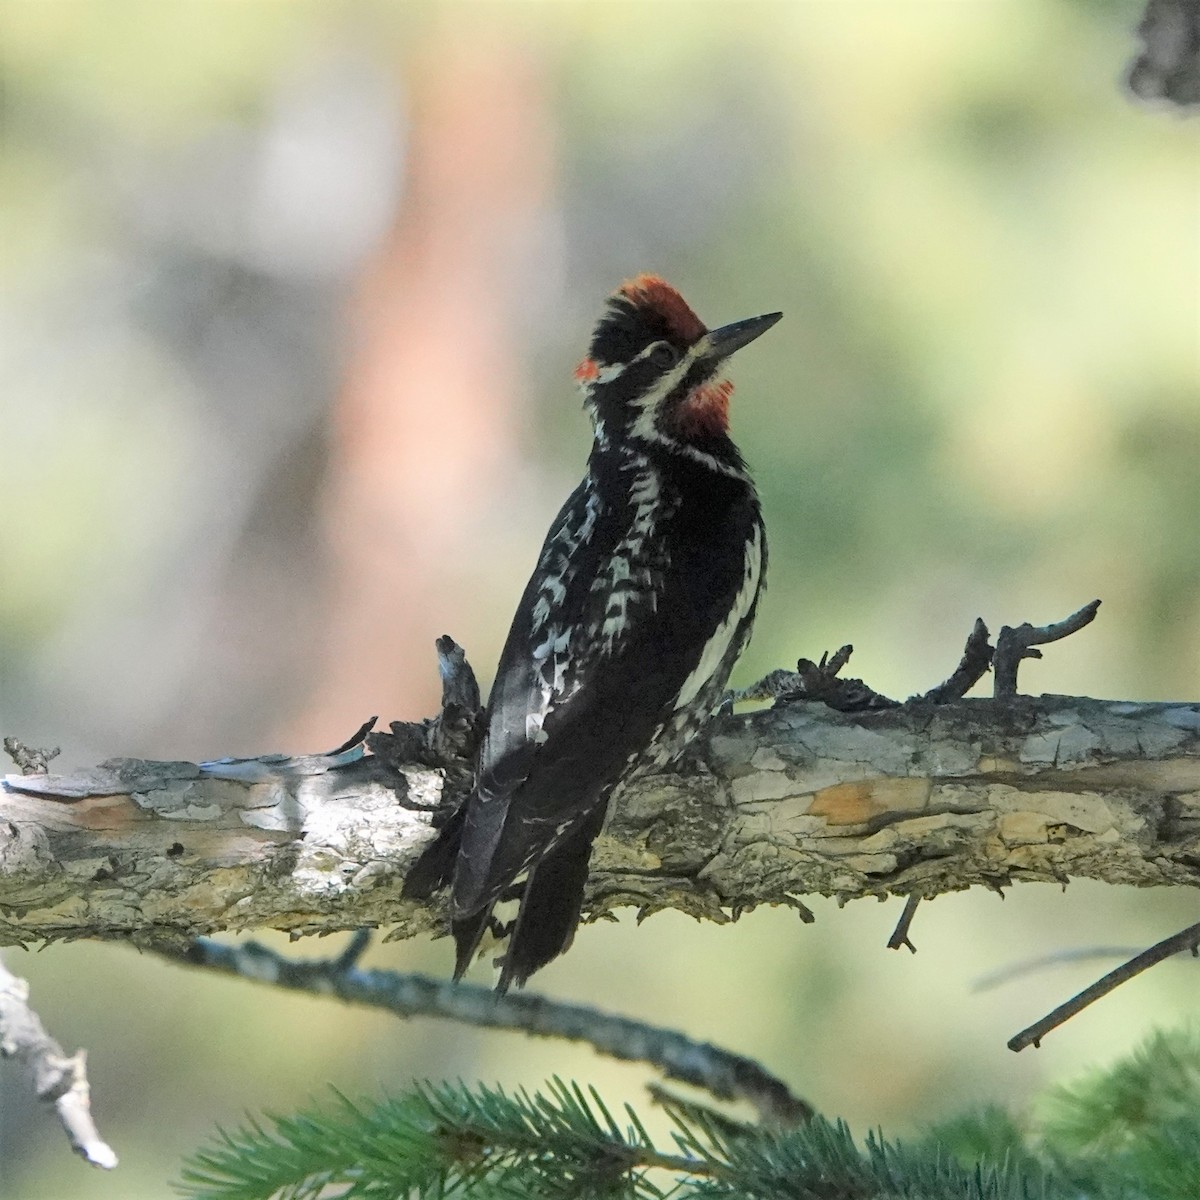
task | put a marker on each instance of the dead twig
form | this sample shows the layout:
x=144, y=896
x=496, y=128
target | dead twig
x=450, y=739
x=822, y=681
x=58, y=1079
x=31, y=759
x=900, y=933
x=1013, y=645
x=814, y=681
x=976, y=658
x=1187, y=939
x=1011, y=972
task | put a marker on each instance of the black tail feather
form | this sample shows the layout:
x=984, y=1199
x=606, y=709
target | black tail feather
x=551, y=900
x=468, y=933
x=550, y=905
x=435, y=867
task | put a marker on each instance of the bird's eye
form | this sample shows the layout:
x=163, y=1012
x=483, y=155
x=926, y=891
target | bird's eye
x=664, y=355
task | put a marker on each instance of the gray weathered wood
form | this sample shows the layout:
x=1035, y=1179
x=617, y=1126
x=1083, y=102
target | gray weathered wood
x=778, y=804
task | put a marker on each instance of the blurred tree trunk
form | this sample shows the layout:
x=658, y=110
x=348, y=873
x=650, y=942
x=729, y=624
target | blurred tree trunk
x=424, y=430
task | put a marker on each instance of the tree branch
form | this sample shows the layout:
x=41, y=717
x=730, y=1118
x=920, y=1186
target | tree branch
x=1013, y=645
x=1168, y=66
x=900, y=936
x=1187, y=939
x=57, y=1078
x=725, y=1075
x=776, y=804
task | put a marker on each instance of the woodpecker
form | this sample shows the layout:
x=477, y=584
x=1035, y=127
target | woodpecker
x=642, y=599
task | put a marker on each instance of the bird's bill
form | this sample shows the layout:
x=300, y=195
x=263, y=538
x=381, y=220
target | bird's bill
x=721, y=343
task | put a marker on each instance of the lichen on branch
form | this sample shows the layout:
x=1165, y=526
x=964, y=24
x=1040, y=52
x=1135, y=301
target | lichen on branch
x=776, y=804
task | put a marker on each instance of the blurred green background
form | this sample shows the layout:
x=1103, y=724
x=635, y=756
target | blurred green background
x=294, y=292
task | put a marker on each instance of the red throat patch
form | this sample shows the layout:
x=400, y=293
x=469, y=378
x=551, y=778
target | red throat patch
x=649, y=291
x=586, y=370
x=705, y=413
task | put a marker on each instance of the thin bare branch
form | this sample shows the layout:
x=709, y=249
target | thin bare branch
x=1187, y=939
x=722, y=1074
x=900, y=933
x=58, y=1079
x=1015, y=644
x=1011, y=972
x=976, y=658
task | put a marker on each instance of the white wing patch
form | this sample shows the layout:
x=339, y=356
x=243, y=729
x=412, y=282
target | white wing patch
x=533, y=728
x=716, y=649
x=553, y=642
x=554, y=567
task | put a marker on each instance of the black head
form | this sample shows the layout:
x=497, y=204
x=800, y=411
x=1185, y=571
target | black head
x=654, y=370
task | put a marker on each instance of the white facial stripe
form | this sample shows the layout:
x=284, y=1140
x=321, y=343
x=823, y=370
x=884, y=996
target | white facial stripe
x=672, y=378
x=695, y=453
x=604, y=374
x=717, y=646
x=645, y=425
x=607, y=372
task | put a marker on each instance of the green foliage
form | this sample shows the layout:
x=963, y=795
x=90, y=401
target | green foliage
x=990, y=1134
x=451, y=1141
x=1137, y=1121
x=437, y=1141
x=1130, y=1132
x=1127, y=1132
x=821, y=1161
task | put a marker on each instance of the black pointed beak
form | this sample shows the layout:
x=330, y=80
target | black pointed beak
x=721, y=343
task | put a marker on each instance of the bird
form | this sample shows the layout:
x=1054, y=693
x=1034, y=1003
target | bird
x=643, y=597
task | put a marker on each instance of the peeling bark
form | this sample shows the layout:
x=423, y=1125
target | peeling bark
x=774, y=805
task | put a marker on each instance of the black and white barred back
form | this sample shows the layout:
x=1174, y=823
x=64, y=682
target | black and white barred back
x=642, y=599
